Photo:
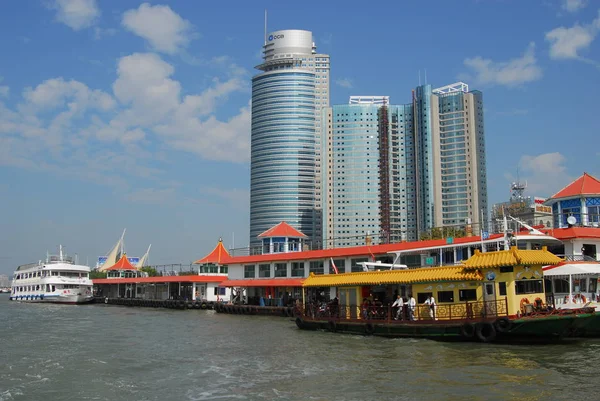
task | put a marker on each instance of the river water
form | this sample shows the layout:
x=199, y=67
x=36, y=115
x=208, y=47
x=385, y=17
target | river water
x=101, y=352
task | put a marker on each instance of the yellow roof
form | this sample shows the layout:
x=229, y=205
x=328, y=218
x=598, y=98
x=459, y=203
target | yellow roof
x=421, y=275
x=511, y=257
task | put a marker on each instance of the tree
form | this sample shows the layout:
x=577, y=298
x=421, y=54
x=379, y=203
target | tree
x=97, y=274
x=443, y=232
x=150, y=270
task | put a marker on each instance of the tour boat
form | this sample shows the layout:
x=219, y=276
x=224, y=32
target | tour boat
x=493, y=296
x=58, y=279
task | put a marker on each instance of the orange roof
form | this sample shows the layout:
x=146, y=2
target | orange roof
x=218, y=256
x=356, y=251
x=259, y=282
x=584, y=185
x=574, y=232
x=282, y=229
x=122, y=264
x=161, y=279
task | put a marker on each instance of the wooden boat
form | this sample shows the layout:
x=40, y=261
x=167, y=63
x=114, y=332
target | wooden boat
x=493, y=296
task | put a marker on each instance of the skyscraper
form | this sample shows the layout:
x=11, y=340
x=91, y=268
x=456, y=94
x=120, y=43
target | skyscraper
x=459, y=156
x=287, y=97
x=397, y=171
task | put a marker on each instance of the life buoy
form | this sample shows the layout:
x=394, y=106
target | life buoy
x=503, y=325
x=106, y=300
x=331, y=325
x=467, y=330
x=538, y=302
x=369, y=329
x=486, y=332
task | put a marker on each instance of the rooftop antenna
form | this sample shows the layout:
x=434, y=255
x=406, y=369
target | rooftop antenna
x=265, y=26
x=426, y=77
x=419, y=77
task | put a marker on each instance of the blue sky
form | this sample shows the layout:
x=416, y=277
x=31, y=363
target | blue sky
x=119, y=114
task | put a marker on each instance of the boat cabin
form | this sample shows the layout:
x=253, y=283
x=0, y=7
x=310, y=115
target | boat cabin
x=501, y=283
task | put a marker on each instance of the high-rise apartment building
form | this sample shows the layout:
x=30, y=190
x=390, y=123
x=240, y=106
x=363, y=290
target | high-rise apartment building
x=459, y=156
x=396, y=171
x=287, y=97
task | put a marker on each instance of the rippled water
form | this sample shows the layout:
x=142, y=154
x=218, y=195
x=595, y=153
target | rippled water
x=98, y=352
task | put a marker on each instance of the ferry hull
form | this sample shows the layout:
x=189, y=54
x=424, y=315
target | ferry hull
x=57, y=299
x=536, y=329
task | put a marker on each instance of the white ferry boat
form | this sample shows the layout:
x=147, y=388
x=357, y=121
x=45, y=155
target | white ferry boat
x=58, y=279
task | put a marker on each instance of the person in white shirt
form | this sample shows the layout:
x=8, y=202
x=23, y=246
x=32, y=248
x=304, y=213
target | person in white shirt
x=398, y=303
x=432, y=306
x=411, y=307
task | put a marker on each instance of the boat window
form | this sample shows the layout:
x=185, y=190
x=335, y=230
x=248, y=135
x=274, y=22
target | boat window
x=506, y=269
x=467, y=295
x=53, y=288
x=561, y=285
x=502, y=287
x=422, y=296
x=249, y=271
x=579, y=284
x=297, y=269
x=280, y=269
x=528, y=287
x=264, y=270
x=445, y=296
x=593, y=285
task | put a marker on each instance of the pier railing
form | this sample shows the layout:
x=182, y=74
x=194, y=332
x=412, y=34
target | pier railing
x=444, y=312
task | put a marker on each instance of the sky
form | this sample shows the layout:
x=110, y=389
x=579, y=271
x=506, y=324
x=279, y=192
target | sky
x=122, y=114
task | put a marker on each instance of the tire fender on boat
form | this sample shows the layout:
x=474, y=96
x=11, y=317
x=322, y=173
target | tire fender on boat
x=485, y=332
x=467, y=330
x=106, y=300
x=299, y=323
x=369, y=329
x=203, y=305
x=503, y=325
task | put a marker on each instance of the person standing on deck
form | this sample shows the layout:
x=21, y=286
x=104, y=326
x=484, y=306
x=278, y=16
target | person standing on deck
x=411, y=307
x=430, y=301
x=398, y=303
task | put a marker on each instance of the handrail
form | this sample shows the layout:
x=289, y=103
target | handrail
x=577, y=258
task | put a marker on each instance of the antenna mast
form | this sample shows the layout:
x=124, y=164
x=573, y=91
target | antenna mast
x=265, y=26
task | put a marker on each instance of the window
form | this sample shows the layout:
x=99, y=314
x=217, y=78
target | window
x=528, y=287
x=506, y=269
x=467, y=295
x=280, y=270
x=356, y=267
x=219, y=291
x=297, y=269
x=422, y=297
x=224, y=269
x=445, y=296
x=316, y=267
x=340, y=264
x=264, y=270
x=249, y=271
x=502, y=287
x=561, y=285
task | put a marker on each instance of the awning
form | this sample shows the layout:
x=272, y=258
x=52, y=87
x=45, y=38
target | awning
x=572, y=268
x=273, y=282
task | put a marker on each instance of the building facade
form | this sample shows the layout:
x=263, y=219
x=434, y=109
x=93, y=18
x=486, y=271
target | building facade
x=394, y=172
x=287, y=97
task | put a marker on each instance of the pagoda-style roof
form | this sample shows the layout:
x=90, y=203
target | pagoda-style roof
x=218, y=256
x=282, y=229
x=122, y=264
x=512, y=257
x=410, y=276
x=584, y=185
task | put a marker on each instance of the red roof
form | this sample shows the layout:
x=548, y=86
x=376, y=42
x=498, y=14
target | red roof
x=218, y=256
x=584, y=185
x=282, y=229
x=259, y=282
x=356, y=251
x=122, y=264
x=162, y=279
x=573, y=232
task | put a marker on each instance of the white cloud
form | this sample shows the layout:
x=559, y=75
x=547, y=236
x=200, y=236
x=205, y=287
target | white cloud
x=100, y=32
x=53, y=93
x=510, y=73
x=566, y=43
x=573, y=6
x=77, y=14
x=4, y=90
x=164, y=29
x=545, y=173
x=344, y=82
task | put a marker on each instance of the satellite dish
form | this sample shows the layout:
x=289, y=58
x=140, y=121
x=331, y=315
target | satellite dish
x=571, y=220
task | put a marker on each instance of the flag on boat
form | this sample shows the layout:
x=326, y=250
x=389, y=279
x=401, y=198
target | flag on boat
x=333, y=266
